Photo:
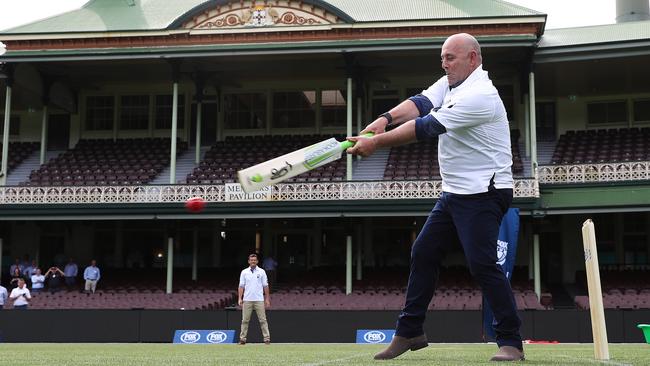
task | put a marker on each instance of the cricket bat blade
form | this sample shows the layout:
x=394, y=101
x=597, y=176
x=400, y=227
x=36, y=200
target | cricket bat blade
x=292, y=164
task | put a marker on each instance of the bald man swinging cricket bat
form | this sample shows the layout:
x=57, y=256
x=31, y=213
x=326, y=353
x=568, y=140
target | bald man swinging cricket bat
x=464, y=112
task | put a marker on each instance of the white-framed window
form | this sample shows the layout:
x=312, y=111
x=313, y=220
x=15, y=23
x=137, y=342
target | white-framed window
x=607, y=112
x=294, y=109
x=134, y=112
x=245, y=110
x=100, y=112
x=641, y=110
x=333, y=108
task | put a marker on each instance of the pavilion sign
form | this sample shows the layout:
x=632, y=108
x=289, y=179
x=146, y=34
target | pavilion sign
x=234, y=193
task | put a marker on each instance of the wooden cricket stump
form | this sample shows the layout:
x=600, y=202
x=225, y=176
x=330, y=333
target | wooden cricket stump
x=598, y=327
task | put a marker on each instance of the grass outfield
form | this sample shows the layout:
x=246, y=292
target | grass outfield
x=64, y=354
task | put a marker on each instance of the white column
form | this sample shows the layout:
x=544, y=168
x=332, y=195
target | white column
x=538, y=280
x=269, y=111
x=319, y=112
x=195, y=252
x=119, y=244
x=348, y=105
x=317, y=234
x=527, y=124
x=531, y=261
x=5, y=138
x=533, y=123
x=170, y=263
x=369, y=258
x=216, y=248
x=44, y=127
x=197, y=158
x=348, y=265
x=310, y=244
x=359, y=258
x=359, y=113
x=1, y=257
x=172, y=154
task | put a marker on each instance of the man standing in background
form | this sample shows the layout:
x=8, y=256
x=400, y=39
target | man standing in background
x=253, y=295
x=20, y=295
x=70, y=273
x=270, y=265
x=91, y=276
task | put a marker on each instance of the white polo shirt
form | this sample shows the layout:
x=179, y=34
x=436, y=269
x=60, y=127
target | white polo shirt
x=20, y=295
x=253, y=283
x=476, y=146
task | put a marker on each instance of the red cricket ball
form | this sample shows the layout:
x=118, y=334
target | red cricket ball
x=195, y=204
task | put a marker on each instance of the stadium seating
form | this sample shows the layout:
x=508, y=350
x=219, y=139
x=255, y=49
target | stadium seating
x=318, y=289
x=603, y=146
x=225, y=158
x=622, y=288
x=419, y=161
x=106, y=162
x=19, y=151
x=145, y=289
x=385, y=290
x=133, y=300
x=410, y=162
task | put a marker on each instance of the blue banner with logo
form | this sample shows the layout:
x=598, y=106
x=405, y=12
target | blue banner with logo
x=375, y=335
x=204, y=336
x=506, y=254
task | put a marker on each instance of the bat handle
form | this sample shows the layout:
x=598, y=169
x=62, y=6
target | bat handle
x=347, y=144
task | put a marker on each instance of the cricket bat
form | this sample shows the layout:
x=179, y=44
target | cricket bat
x=292, y=164
x=598, y=328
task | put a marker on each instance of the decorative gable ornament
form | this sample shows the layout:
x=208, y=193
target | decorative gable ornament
x=254, y=13
x=260, y=16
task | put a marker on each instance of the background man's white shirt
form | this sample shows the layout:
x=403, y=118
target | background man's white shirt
x=16, y=294
x=253, y=283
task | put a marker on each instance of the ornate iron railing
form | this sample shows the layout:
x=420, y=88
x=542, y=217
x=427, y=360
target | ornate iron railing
x=593, y=173
x=330, y=191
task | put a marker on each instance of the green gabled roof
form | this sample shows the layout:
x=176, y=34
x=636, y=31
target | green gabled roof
x=112, y=15
x=597, y=34
x=146, y=15
x=396, y=10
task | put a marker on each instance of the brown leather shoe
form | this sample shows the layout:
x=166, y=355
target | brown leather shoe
x=508, y=353
x=400, y=345
x=242, y=342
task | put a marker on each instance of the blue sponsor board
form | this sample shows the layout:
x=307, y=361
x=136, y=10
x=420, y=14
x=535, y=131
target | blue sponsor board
x=204, y=336
x=375, y=335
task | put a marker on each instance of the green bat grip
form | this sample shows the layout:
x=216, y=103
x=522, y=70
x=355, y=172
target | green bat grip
x=347, y=144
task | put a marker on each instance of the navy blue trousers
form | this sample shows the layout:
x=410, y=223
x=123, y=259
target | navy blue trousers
x=473, y=220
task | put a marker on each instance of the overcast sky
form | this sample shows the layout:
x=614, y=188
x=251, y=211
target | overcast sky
x=561, y=13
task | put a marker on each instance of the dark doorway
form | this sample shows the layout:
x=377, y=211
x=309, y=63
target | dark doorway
x=380, y=106
x=208, y=124
x=51, y=251
x=551, y=257
x=545, y=121
x=58, y=132
x=291, y=252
